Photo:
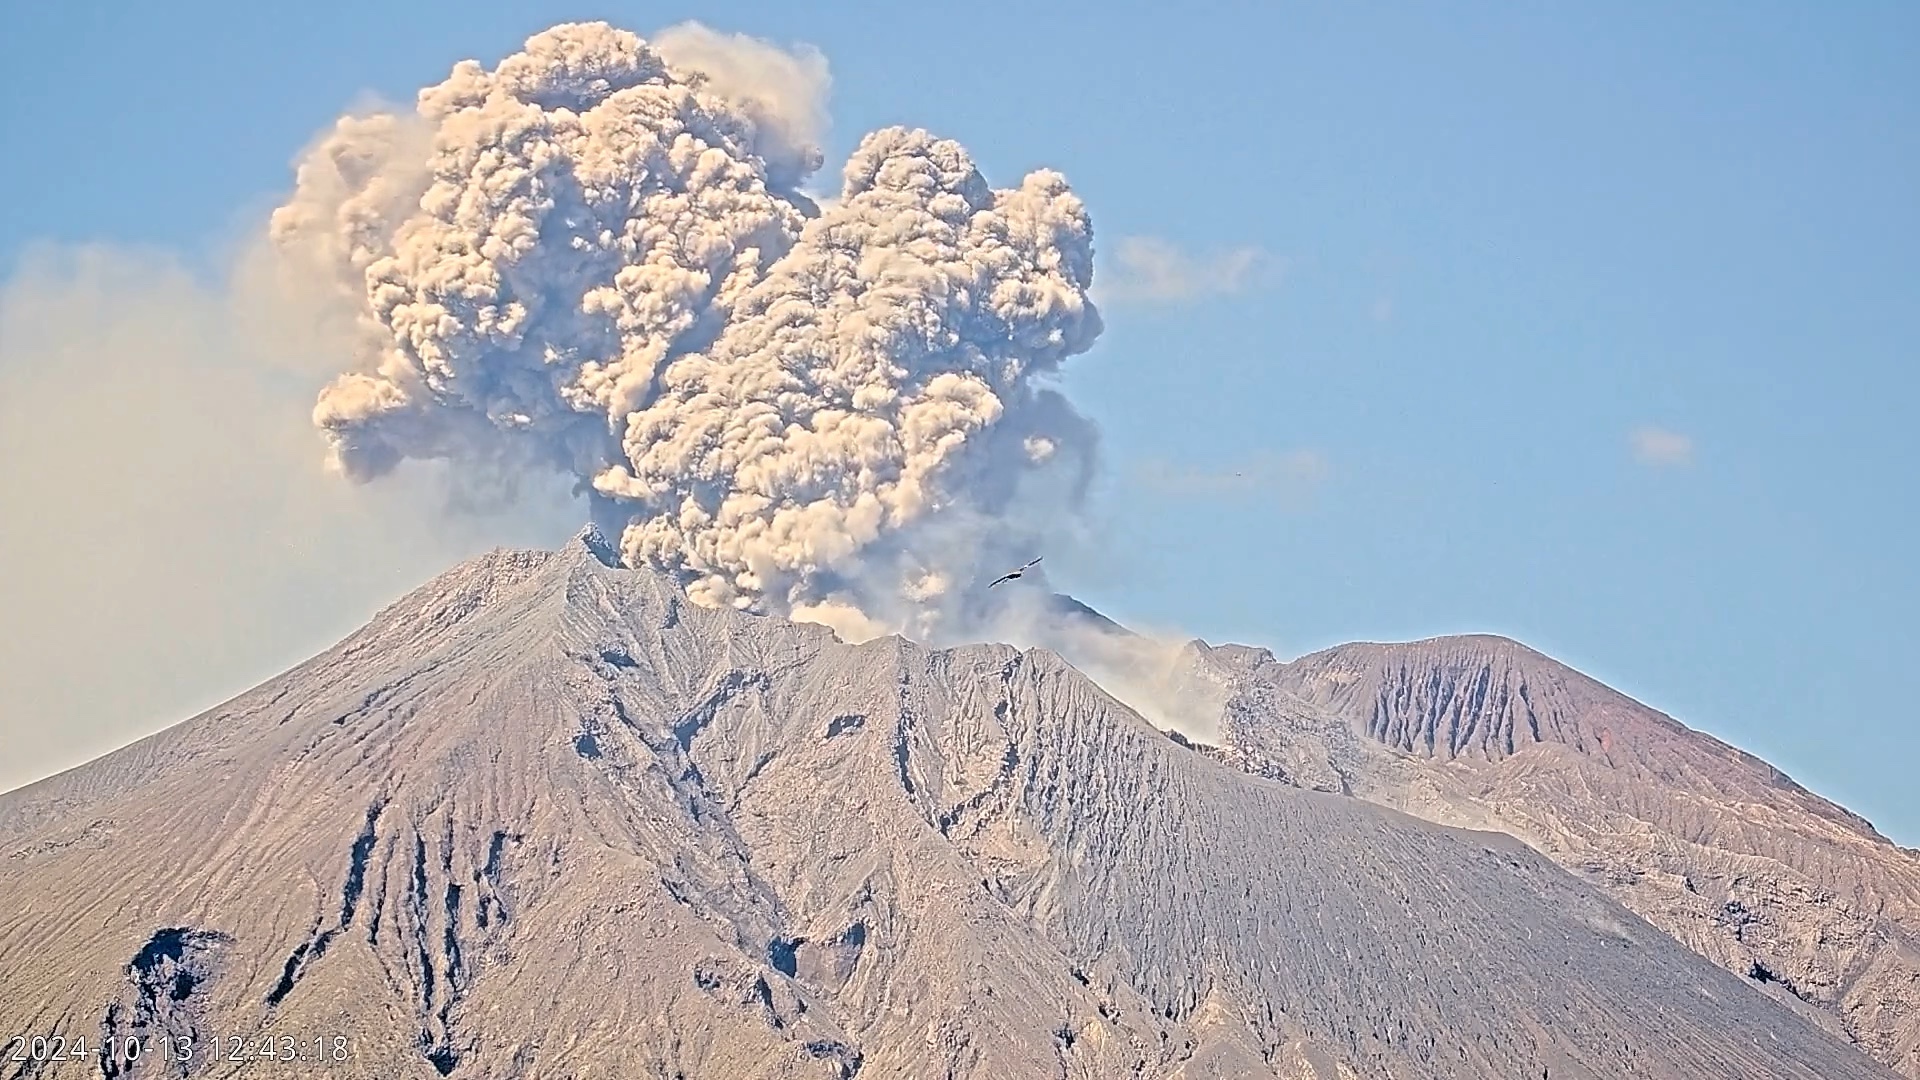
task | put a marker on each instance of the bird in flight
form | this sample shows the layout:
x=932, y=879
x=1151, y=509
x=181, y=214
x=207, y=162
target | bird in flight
x=1013, y=574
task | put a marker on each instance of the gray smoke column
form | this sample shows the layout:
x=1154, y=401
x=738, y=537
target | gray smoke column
x=596, y=258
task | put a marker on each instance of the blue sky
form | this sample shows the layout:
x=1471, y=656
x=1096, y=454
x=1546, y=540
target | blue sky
x=1495, y=242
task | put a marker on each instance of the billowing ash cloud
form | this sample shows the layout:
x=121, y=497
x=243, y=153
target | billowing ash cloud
x=597, y=258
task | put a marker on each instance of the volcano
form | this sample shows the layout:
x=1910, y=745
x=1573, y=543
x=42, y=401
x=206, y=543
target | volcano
x=545, y=817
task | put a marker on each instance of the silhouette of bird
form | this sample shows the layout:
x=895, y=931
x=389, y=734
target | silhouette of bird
x=1014, y=574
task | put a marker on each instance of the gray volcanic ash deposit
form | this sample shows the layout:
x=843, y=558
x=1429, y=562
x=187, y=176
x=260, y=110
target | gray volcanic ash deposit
x=547, y=817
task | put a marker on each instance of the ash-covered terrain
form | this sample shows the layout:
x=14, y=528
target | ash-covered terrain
x=548, y=818
x=1708, y=843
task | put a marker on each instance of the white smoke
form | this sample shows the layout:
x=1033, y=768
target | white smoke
x=596, y=258
x=1159, y=675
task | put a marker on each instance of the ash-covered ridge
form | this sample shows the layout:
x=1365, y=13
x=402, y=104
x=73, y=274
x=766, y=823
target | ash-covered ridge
x=1709, y=843
x=544, y=816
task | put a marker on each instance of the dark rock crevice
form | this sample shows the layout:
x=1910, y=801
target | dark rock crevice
x=318, y=941
x=166, y=982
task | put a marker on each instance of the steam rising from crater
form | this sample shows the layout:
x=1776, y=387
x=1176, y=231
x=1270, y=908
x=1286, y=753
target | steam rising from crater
x=597, y=258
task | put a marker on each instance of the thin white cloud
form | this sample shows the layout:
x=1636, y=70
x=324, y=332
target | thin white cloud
x=1150, y=269
x=1660, y=448
x=1293, y=476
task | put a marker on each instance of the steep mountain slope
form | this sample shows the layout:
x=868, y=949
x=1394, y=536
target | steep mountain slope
x=1706, y=842
x=545, y=818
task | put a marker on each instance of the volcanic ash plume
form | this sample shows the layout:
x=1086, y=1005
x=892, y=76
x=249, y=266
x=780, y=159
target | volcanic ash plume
x=597, y=258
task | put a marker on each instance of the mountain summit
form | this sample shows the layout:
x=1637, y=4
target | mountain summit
x=544, y=817
x=1709, y=843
